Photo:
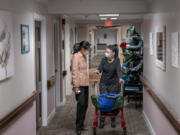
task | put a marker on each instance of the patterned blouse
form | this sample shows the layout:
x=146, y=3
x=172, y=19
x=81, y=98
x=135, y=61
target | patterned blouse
x=111, y=74
x=79, y=72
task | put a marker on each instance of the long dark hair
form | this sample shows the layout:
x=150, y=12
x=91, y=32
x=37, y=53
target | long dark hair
x=114, y=48
x=78, y=46
x=84, y=44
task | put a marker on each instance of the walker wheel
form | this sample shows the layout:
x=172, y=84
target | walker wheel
x=94, y=131
x=124, y=131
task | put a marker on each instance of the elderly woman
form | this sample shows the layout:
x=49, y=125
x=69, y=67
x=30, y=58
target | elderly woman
x=80, y=82
x=111, y=76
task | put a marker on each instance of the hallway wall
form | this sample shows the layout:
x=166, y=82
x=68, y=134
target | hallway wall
x=82, y=32
x=19, y=87
x=15, y=90
x=166, y=84
x=111, y=36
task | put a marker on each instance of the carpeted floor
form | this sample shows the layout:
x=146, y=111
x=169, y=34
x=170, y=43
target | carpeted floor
x=64, y=121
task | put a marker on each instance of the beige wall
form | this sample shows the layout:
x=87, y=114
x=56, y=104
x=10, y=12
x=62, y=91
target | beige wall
x=166, y=84
x=16, y=89
x=19, y=87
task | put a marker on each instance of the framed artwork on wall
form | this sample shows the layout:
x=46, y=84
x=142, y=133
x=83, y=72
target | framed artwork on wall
x=6, y=46
x=25, y=41
x=175, y=49
x=151, y=45
x=161, y=48
x=105, y=36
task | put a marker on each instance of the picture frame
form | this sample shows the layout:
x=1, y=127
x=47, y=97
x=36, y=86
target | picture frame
x=7, y=62
x=151, y=45
x=25, y=41
x=161, y=48
x=175, y=49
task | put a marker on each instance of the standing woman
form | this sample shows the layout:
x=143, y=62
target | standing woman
x=111, y=76
x=80, y=82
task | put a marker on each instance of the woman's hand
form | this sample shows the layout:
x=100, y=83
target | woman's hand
x=97, y=72
x=121, y=81
x=75, y=89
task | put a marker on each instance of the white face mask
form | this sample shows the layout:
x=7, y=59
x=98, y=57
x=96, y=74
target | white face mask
x=107, y=55
x=86, y=53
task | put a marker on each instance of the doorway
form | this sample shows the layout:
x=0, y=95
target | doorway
x=38, y=73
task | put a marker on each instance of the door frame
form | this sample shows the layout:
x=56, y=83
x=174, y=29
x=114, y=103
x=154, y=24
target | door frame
x=38, y=82
x=42, y=19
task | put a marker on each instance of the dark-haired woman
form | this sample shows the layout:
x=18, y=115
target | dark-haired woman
x=80, y=82
x=111, y=76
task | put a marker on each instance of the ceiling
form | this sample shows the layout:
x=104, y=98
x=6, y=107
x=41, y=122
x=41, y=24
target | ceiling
x=97, y=6
x=86, y=11
x=87, y=18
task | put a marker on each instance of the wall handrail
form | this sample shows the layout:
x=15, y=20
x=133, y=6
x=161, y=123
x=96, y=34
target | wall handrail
x=169, y=115
x=17, y=111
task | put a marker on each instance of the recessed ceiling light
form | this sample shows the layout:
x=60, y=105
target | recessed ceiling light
x=109, y=15
x=103, y=18
x=113, y=18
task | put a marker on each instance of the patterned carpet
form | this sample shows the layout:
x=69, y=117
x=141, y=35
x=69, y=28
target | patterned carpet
x=64, y=121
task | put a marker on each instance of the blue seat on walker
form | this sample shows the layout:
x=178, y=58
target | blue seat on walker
x=107, y=101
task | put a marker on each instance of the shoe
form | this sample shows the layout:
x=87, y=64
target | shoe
x=113, y=124
x=84, y=129
x=78, y=132
x=102, y=124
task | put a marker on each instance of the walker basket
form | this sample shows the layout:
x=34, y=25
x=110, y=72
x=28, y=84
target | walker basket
x=119, y=102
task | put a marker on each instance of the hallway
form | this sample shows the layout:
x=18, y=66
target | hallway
x=64, y=121
x=36, y=46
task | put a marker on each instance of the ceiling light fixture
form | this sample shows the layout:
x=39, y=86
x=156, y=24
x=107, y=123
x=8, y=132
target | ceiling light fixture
x=113, y=18
x=109, y=15
x=103, y=18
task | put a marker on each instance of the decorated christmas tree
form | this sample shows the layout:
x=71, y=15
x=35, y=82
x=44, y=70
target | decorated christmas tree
x=133, y=63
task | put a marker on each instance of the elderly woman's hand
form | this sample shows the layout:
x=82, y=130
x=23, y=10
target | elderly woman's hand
x=97, y=72
x=121, y=81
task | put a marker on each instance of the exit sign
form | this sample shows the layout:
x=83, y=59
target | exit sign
x=108, y=23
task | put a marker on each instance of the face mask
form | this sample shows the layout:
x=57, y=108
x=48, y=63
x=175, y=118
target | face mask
x=107, y=55
x=86, y=53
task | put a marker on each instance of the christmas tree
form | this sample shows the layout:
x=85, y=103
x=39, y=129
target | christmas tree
x=133, y=63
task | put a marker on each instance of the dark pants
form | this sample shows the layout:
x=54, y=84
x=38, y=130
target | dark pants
x=82, y=105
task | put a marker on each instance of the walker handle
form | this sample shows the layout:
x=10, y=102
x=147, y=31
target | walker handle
x=122, y=89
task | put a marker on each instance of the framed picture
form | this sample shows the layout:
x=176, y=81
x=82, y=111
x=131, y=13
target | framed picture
x=6, y=46
x=105, y=36
x=25, y=42
x=175, y=49
x=151, y=45
x=161, y=48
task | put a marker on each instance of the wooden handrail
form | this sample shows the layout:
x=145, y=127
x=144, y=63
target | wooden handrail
x=17, y=111
x=170, y=116
x=51, y=81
